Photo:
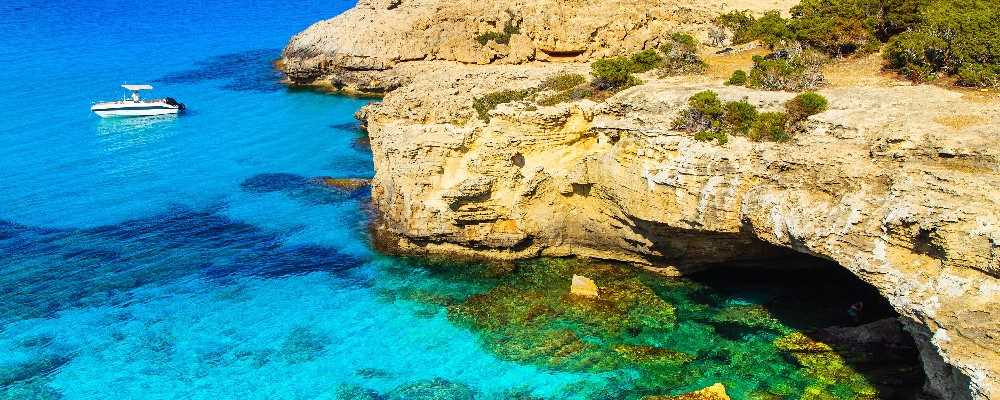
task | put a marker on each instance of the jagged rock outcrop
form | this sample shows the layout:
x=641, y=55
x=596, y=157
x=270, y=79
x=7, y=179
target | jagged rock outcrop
x=896, y=184
x=360, y=49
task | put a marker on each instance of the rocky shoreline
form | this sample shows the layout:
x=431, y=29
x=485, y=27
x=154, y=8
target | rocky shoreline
x=895, y=183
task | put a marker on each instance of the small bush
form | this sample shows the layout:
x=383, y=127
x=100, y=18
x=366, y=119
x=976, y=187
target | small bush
x=614, y=73
x=772, y=30
x=563, y=82
x=680, y=55
x=738, y=78
x=834, y=26
x=704, y=113
x=510, y=28
x=805, y=105
x=572, y=94
x=979, y=75
x=708, y=136
x=738, y=117
x=739, y=23
x=711, y=119
x=769, y=126
x=790, y=74
x=917, y=55
x=645, y=60
x=483, y=105
x=706, y=103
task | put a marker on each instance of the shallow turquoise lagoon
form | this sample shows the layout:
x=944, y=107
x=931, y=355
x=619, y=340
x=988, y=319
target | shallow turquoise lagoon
x=199, y=257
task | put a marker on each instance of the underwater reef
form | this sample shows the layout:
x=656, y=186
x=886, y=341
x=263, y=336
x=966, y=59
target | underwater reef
x=651, y=336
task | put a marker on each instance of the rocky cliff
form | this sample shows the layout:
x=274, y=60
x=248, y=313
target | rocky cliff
x=897, y=184
x=360, y=49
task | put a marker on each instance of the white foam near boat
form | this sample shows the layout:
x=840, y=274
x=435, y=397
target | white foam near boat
x=131, y=105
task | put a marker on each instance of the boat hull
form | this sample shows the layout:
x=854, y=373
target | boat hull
x=111, y=110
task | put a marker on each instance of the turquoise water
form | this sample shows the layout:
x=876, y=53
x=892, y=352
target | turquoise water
x=190, y=257
x=199, y=257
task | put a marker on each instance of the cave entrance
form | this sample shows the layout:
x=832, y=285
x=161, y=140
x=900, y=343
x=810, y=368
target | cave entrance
x=816, y=297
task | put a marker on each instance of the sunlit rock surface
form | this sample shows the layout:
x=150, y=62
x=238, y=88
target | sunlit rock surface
x=362, y=48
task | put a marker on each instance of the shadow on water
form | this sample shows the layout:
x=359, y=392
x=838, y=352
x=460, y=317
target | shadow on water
x=46, y=270
x=250, y=70
x=816, y=301
x=312, y=191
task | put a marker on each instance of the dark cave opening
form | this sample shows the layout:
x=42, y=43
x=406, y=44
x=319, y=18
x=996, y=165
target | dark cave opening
x=816, y=296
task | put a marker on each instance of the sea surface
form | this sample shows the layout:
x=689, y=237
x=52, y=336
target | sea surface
x=203, y=257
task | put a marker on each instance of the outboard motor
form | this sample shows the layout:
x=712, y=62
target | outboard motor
x=171, y=101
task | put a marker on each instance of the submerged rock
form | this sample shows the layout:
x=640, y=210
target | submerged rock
x=434, y=389
x=355, y=392
x=303, y=344
x=344, y=184
x=583, y=286
x=714, y=392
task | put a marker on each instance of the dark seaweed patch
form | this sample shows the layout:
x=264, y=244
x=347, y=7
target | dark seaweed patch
x=307, y=190
x=273, y=182
x=47, y=270
x=246, y=71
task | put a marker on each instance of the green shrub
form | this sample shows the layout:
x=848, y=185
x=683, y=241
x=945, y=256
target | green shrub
x=916, y=55
x=510, y=28
x=979, y=75
x=708, y=136
x=738, y=117
x=563, y=82
x=790, y=74
x=834, y=26
x=572, y=94
x=769, y=126
x=707, y=103
x=772, y=30
x=680, y=55
x=960, y=37
x=711, y=119
x=684, y=40
x=738, y=78
x=645, y=60
x=614, y=73
x=483, y=105
x=739, y=23
x=704, y=113
x=805, y=105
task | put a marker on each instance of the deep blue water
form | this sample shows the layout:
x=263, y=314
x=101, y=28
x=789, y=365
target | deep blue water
x=194, y=257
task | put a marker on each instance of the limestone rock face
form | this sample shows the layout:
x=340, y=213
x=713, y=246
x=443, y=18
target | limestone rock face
x=882, y=183
x=359, y=49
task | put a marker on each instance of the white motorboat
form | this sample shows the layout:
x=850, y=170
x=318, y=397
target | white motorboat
x=131, y=105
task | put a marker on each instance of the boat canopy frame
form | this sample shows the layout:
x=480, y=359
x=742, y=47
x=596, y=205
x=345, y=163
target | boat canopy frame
x=136, y=88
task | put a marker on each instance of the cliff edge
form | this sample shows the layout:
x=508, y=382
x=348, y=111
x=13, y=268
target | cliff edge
x=896, y=183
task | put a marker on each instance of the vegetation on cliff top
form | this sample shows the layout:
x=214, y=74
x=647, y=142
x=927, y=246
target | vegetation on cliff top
x=708, y=118
x=926, y=39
